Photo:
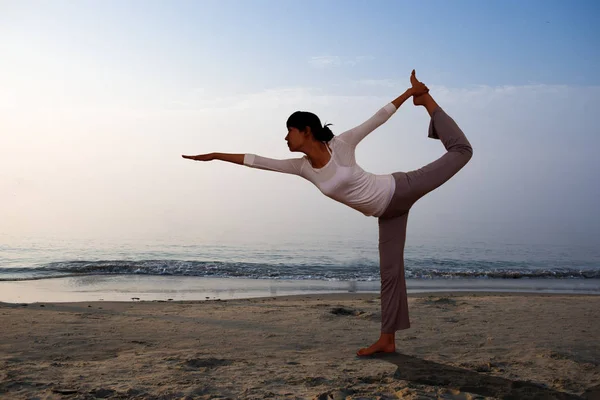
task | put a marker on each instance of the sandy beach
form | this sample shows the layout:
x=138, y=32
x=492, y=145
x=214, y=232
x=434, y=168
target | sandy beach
x=460, y=346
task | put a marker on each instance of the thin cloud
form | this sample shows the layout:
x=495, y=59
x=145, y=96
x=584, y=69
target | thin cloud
x=387, y=83
x=335, y=61
x=357, y=60
x=324, y=61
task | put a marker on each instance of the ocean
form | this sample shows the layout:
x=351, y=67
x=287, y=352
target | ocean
x=327, y=259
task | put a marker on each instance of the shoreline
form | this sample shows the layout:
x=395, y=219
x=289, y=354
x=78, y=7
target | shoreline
x=324, y=296
x=169, y=288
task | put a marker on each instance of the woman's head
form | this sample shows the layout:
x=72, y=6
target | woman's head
x=304, y=125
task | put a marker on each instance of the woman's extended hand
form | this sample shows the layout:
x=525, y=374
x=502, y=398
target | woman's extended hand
x=419, y=89
x=201, y=157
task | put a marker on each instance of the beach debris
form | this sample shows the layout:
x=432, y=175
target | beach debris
x=206, y=362
x=135, y=298
x=345, y=311
x=64, y=391
x=141, y=342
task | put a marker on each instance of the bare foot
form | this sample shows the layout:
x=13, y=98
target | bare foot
x=385, y=344
x=417, y=100
x=413, y=78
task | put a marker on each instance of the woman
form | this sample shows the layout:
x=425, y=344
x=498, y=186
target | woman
x=329, y=163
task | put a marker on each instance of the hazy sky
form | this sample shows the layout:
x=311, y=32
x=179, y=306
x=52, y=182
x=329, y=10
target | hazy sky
x=98, y=100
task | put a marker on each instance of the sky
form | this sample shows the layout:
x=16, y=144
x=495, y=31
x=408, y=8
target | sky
x=99, y=99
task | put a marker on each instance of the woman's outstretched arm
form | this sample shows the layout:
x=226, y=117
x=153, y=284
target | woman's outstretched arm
x=288, y=166
x=232, y=158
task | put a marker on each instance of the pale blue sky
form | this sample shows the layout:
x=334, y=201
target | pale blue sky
x=99, y=99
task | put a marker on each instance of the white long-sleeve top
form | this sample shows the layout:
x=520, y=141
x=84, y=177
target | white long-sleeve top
x=342, y=179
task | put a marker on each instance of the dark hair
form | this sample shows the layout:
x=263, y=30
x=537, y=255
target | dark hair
x=301, y=119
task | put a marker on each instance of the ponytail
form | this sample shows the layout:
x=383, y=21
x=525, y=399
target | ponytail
x=324, y=134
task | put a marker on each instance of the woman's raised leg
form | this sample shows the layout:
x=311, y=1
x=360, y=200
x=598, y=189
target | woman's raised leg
x=458, y=151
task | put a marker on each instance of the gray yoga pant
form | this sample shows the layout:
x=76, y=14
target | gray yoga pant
x=410, y=187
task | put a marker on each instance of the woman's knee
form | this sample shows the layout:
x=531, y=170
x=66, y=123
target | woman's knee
x=462, y=151
x=467, y=152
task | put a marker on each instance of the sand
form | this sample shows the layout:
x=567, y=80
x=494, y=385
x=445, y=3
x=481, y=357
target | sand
x=460, y=346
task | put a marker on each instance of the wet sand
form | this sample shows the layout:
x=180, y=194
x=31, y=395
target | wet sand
x=186, y=288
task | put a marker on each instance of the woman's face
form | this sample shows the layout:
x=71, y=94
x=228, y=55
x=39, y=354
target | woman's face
x=295, y=138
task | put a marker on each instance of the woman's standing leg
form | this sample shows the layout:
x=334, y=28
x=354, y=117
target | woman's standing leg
x=394, y=302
